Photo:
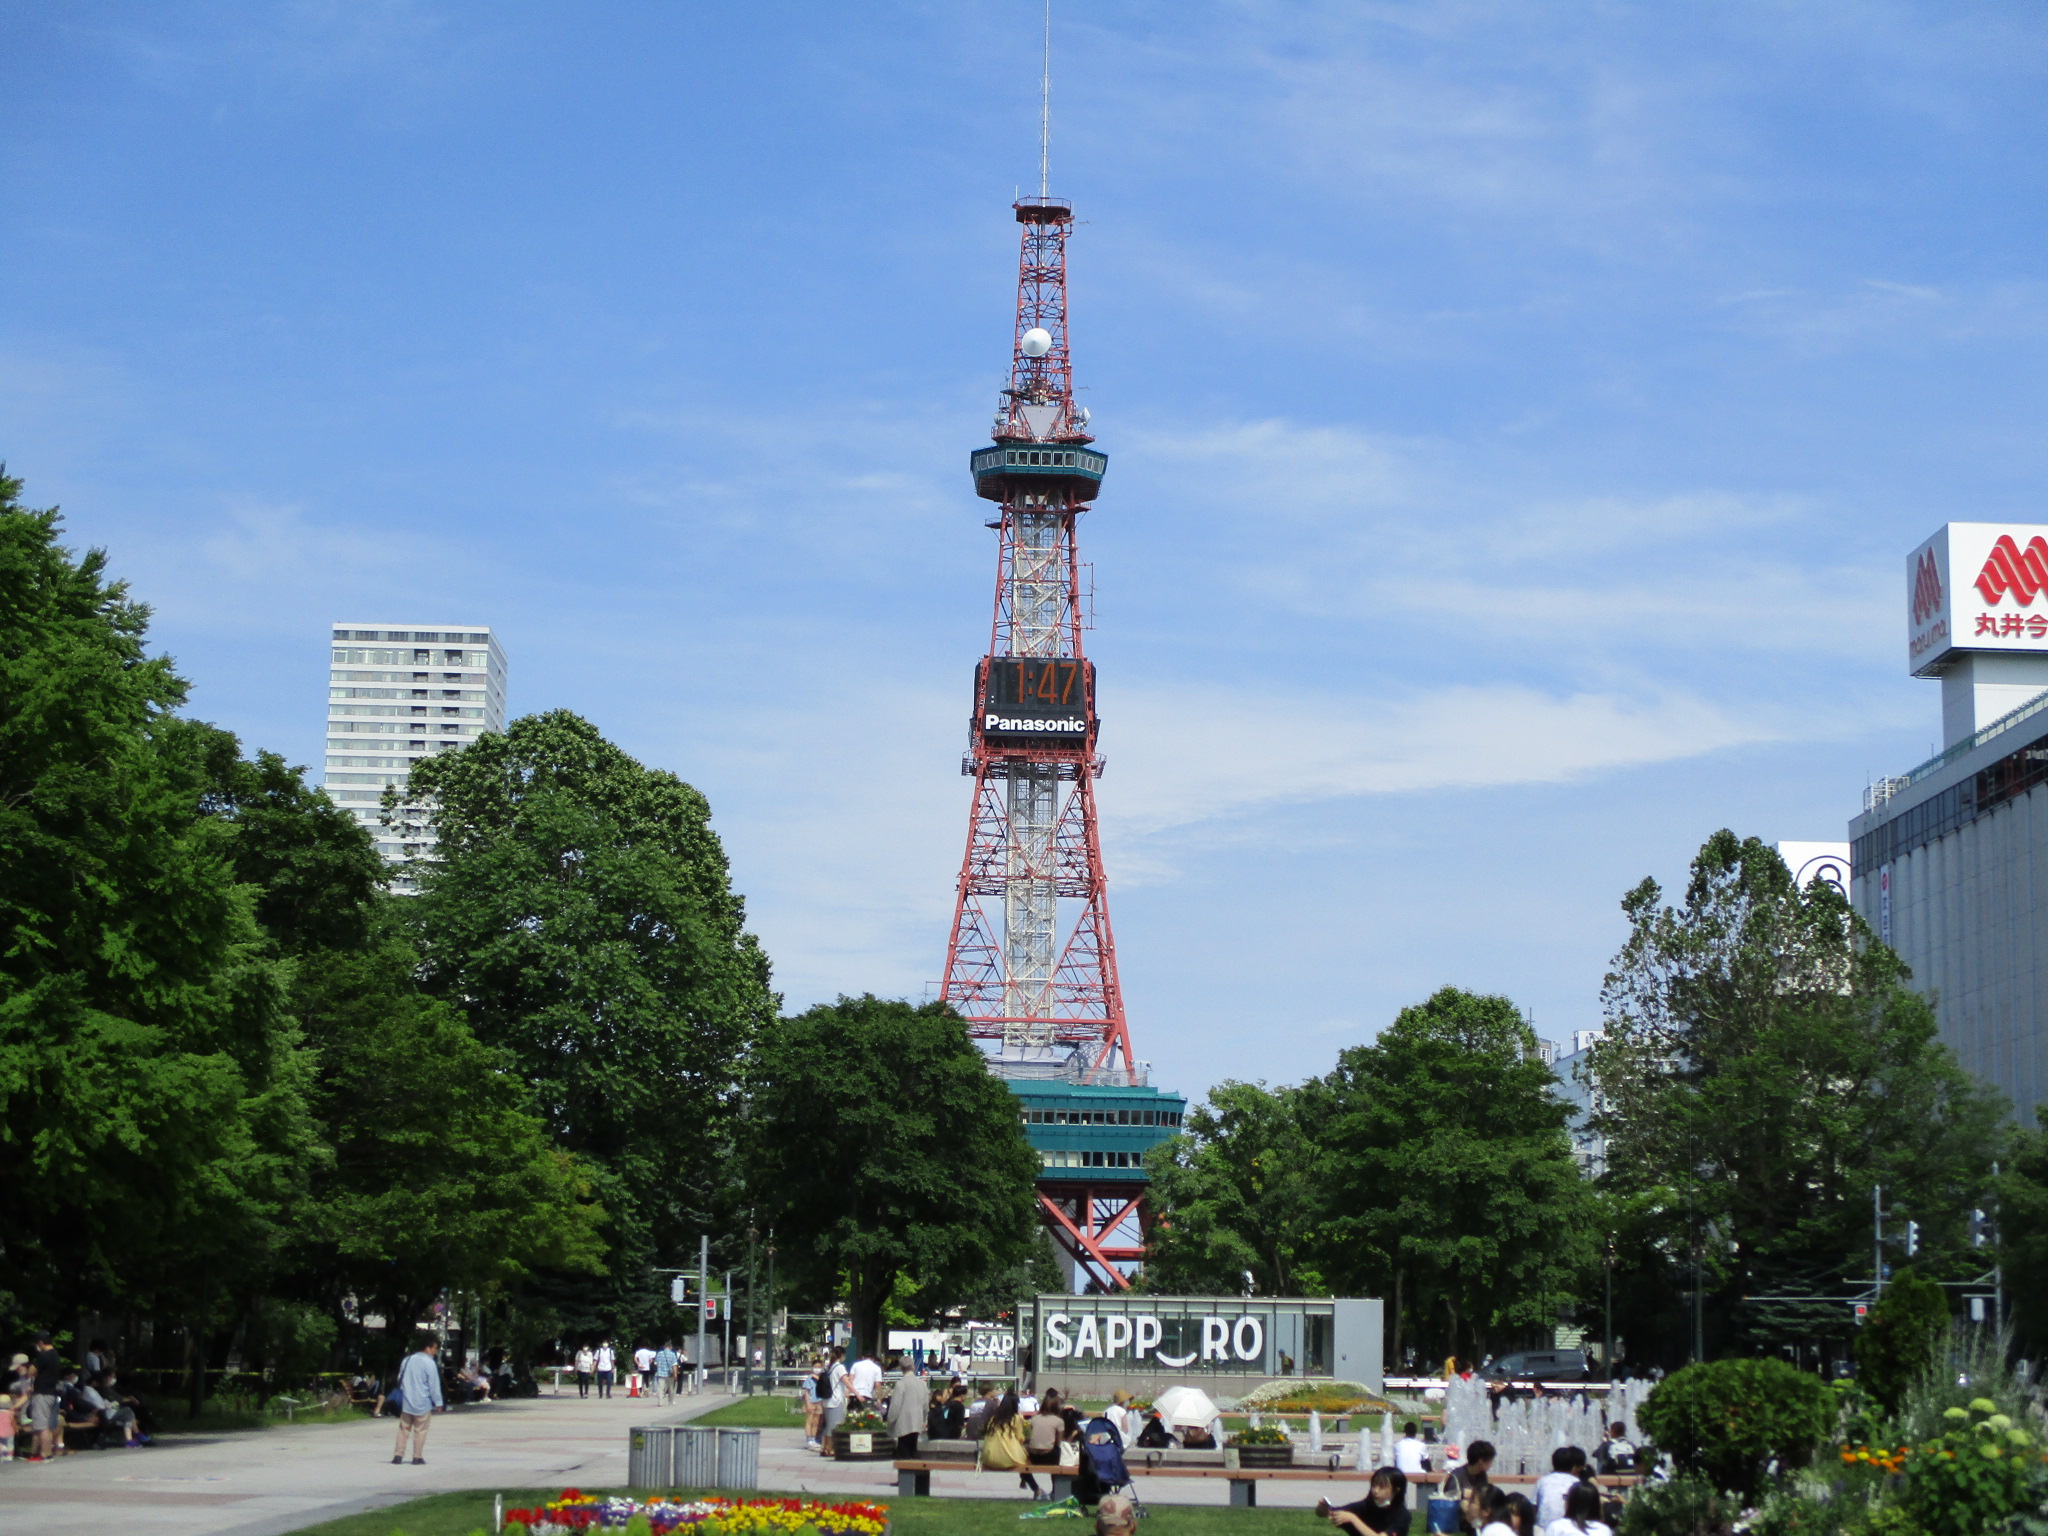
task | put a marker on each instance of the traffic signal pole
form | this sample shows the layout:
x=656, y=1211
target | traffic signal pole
x=703, y=1290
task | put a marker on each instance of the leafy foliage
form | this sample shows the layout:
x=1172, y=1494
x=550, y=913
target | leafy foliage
x=1240, y=1182
x=1447, y=1174
x=1897, y=1343
x=582, y=919
x=441, y=1176
x=1764, y=1066
x=1728, y=1420
x=1688, y=1505
x=153, y=1132
x=1986, y=1469
x=2022, y=1211
x=879, y=1145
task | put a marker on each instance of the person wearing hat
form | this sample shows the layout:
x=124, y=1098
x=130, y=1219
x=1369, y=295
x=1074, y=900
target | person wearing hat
x=1116, y=1515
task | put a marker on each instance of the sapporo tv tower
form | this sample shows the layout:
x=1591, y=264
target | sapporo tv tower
x=1031, y=964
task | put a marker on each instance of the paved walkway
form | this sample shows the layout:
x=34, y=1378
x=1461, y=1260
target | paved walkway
x=269, y=1482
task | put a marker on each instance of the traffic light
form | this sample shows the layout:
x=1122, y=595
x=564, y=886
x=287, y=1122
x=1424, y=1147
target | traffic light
x=1980, y=1229
x=678, y=1290
x=710, y=1308
x=1912, y=1238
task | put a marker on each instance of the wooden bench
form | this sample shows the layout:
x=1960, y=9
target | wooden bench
x=914, y=1475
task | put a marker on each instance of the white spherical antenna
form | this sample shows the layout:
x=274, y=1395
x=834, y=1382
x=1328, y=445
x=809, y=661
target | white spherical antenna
x=1036, y=342
x=1081, y=415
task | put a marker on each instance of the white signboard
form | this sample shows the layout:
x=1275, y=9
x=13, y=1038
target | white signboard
x=1826, y=862
x=1977, y=587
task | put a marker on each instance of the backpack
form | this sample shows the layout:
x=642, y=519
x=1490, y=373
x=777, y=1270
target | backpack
x=821, y=1385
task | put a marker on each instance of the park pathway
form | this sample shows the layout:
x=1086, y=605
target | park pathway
x=267, y=1482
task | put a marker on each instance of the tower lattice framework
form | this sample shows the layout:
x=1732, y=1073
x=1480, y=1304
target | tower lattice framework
x=1042, y=989
x=1031, y=961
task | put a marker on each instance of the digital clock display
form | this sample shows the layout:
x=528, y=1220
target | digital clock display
x=1050, y=699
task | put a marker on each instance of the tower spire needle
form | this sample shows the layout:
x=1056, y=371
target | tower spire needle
x=1045, y=112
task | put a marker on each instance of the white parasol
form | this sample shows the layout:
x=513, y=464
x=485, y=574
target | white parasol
x=1182, y=1406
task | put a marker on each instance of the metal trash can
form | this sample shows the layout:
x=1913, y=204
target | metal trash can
x=694, y=1462
x=739, y=1458
x=650, y=1453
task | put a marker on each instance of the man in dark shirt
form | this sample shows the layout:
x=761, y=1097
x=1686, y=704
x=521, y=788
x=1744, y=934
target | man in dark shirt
x=42, y=1403
x=1478, y=1459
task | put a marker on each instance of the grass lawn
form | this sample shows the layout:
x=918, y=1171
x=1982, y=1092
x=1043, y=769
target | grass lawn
x=462, y=1514
x=759, y=1412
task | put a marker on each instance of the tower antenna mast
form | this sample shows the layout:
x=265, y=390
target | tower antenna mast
x=1045, y=113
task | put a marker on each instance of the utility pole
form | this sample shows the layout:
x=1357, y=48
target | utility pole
x=703, y=1291
x=753, y=1307
x=1607, y=1349
x=727, y=1351
x=1998, y=1268
x=1877, y=1241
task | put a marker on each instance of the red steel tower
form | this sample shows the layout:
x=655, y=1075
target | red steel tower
x=1031, y=963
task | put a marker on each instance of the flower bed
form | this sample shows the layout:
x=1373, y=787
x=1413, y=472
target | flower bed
x=579, y=1511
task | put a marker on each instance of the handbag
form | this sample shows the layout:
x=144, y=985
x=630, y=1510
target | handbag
x=1070, y=1455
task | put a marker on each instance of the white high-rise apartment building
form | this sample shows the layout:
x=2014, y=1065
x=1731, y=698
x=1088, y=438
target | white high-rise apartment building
x=396, y=695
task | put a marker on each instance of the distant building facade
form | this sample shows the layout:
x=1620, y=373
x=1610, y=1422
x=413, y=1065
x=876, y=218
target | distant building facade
x=397, y=694
x=1949, y=862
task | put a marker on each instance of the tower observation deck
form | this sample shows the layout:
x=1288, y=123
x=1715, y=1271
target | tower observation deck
x=1031, y=961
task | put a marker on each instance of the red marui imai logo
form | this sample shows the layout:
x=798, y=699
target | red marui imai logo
x=1927, y=593
x=2008, y=568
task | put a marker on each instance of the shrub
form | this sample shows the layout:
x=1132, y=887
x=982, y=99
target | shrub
x=1685, y=1506
x=1728, y=1420
x=1976, y=1477
x=1898, y=1342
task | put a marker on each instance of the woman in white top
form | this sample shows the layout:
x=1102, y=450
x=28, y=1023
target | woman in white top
x=1581, y=1514
x=1120, y=1416
x=586, y=1363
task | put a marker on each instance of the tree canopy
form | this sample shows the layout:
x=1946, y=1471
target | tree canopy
x=1241, y=1184
x=1449, y=1174
x=581, y=917
x=1764, y=1068
x=880, y=1146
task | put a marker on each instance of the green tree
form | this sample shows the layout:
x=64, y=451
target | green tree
x=581, y=917
x=1237, y=1192
x=1763, y=1068
x=1448, y=1177
x=442, y=1177
x=2021, y=1213
x=879, y=1145
x=1897, y=1342
x=153, y=1128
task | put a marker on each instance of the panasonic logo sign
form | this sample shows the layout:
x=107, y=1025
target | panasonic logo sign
x=1035, y=725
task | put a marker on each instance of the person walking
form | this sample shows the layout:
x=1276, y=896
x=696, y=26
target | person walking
x=810, y=1384
x=835, y=1399
x=607, y=1362
x=667, y=1365
x=47, y=1368
x=419, y=1399
x=586, y=1367
x=909, y=1406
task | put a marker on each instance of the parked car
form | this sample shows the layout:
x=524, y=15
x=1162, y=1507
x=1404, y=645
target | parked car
x=1540, y=1365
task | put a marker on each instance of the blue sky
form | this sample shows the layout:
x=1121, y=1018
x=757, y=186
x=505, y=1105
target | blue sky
x=1518, y=415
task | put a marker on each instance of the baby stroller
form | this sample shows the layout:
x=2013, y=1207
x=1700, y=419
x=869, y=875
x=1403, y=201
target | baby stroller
x=1102, y=1451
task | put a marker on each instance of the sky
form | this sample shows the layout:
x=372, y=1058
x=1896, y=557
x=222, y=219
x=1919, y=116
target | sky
x=1518, y=419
